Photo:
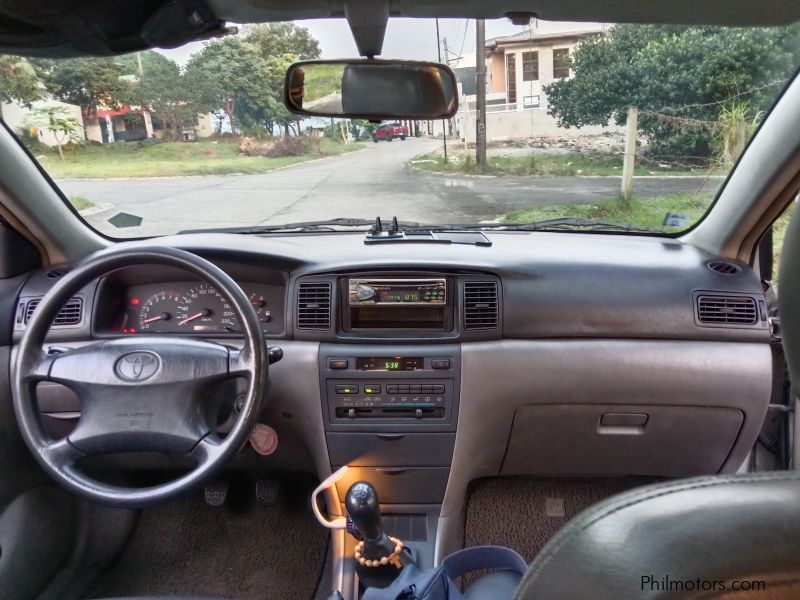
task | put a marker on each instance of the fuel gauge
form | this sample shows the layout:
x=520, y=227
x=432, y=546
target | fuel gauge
x=259, y=305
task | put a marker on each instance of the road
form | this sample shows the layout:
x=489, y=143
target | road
x=365, y=183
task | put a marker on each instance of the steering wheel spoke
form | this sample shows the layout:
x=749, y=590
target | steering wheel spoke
x=207, y=449
x=62, y=453
x=41, y=365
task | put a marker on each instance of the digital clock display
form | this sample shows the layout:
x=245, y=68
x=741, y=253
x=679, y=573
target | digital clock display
x=390, y=363
x=400, y=296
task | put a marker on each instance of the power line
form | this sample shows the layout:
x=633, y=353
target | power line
x=457, y=30
x=718, y=102
x=464, y=39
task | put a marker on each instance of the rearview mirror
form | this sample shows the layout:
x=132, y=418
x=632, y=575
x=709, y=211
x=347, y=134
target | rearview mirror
x=371, y=89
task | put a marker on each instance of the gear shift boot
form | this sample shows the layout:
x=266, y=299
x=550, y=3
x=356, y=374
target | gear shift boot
x=363, y=507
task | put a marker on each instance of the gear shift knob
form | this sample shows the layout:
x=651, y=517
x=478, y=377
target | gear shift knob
x=364, y=508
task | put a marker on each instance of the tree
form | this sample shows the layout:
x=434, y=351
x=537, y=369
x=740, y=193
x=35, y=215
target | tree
x=159, y=88
x=277, y=39
x=677, y=76
x=279, y=44
x=18, y=80
x=225, y=75
x=57, y=120
x=276, y=111
x=87, y=82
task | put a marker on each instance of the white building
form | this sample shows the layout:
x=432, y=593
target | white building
x=518, y=68
x=20, y=118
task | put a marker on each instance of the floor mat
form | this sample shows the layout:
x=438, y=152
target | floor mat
x=252, y=552
x=524, y=514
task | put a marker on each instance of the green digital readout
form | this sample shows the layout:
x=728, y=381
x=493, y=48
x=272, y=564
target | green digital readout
x=404, y=296
x=390, y=363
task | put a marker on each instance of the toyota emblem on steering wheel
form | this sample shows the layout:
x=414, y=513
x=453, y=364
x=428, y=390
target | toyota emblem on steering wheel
x=137, y=366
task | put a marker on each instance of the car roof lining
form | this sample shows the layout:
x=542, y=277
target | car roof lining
x=61, y=28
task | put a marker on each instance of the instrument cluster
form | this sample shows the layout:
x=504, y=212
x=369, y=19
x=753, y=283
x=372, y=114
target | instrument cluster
x=188, y=307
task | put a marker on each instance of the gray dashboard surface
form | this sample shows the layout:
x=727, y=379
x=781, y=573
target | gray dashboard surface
x=554, y=285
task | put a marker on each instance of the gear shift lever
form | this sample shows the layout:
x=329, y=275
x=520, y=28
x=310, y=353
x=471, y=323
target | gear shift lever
x=377, y=549
x=364, y=508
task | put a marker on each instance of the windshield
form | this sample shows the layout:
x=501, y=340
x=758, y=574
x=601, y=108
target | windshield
x=588, y=126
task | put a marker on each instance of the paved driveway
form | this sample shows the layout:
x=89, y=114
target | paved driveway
x=365, y=183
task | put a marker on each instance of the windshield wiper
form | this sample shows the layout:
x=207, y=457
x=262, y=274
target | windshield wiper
x=397, y=228
x=564, y=223
x=338, y=224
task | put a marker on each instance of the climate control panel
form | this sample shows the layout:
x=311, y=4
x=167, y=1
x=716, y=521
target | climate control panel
x=366, y=387
x=390, y=399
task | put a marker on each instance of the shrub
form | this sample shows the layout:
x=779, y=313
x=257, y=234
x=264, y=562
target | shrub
x=292, y=145
x=252, y=147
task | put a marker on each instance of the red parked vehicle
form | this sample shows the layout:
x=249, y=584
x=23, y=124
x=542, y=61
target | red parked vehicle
x=389, y=131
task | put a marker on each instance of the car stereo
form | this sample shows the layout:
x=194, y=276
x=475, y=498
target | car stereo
x=392, y=303
x=394, y=292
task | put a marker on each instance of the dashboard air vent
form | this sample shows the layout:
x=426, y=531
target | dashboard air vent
x=480, y=305
x=724, y=267
x=726, y=310
x=314, y=306
x=70, y=314
x=57, y=272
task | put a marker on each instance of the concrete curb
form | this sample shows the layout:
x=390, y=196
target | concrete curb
x=412, y=169
x=97, y=208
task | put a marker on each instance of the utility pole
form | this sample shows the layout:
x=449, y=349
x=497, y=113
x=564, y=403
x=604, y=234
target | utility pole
x=447, y=62
x=628, y=162
x=444, y=125
x=480, y=74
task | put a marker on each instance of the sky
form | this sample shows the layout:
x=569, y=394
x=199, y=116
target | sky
x=405, y=38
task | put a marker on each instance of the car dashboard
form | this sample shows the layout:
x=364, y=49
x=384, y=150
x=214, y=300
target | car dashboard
x=424, y=367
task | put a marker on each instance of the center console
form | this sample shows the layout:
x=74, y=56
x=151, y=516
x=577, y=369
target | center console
x=393, y=412
x=390, y=377
x=390, y=414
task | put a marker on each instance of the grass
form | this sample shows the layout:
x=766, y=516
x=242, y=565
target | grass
x=640, y=213
x=80, y=203
x=322, y=80
x=132, y=159
x=545, y=164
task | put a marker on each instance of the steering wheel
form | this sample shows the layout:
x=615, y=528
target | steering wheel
x=141, y=393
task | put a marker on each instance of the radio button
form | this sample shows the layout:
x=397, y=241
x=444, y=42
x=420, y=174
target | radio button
x=415, y=389
x=403, y=389
x=440, y=363
x=337, y=363
x=392, y=389
x=438, y=389
x=427, y=389
x=372, y=389
x=346, y=389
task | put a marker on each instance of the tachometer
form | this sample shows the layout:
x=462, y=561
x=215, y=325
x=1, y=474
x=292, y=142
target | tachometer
x=162, y=310
x=210, y=311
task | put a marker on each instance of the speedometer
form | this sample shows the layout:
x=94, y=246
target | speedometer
x=210, y=311
x=162, y=310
